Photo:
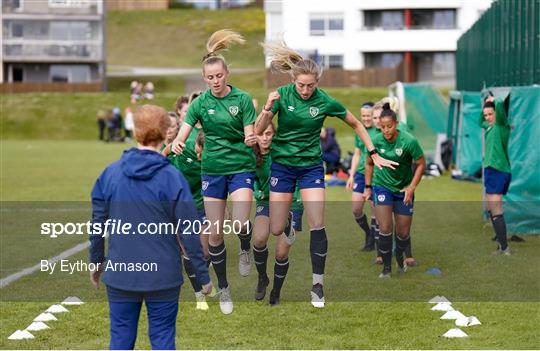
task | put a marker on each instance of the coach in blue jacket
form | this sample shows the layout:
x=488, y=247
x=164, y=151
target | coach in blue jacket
x=142, y=201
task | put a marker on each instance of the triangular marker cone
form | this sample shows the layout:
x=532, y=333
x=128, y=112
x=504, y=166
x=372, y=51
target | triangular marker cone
x=438, y=299
x=36, y=326
x=473, y=321
x=45, y=317
x=434, y=299
x=453, y=315
x=467, y=321
x=462, y=322
x=455, y=333
x=57, y=309
x=72, y=300
x=443, y=306
x=21, y=334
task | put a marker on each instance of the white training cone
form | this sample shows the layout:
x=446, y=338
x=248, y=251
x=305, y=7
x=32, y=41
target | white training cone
x=438, y=299
x=36, y=326
x=72, y=300
x=45, y=317
x=467, y=321
x=20, y=335
x=473, y=321
x=455, y=333
x=453, y=315
x=443, y=306
x=57, y=309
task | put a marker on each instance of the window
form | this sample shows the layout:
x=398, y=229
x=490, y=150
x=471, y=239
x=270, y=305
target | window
x=80, y=73
x=444, y=64
x=433, y=19
x=325, y=24
x=17, y=30
x=327, y=61
x=59, y=73
x=18, y=5
x=70, y=73
x=61, y=30
x=316, y=27
x=80, y=30
x=385, y=60
x=389, y=20
x=334, y=61
x=69, y=3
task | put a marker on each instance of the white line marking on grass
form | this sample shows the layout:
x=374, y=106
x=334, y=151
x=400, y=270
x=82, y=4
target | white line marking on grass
x=63, y=255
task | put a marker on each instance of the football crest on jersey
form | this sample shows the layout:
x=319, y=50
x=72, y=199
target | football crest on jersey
x=290, y=108
x=211, y=111
x=204, y=185
x=189, y=160
x=233, y=110
x=313, y=111
x=274, y=181
x=399, y=151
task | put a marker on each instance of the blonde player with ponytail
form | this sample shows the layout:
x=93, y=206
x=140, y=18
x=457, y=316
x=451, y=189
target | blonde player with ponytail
x=227, y=115
x=296, y=154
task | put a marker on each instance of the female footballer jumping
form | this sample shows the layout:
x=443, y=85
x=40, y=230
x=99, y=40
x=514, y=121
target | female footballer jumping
x=227, y=115
x=296, y=153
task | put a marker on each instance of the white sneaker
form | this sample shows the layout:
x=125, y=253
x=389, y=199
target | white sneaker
x=317, y=296
x=201, y=301
x=225, y=300
x=244, y=263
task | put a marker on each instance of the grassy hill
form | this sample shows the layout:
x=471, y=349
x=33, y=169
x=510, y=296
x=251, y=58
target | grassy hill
x=177, y=37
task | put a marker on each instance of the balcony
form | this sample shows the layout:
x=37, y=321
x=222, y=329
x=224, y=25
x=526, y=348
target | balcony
x=52, y=51
x=52, y=7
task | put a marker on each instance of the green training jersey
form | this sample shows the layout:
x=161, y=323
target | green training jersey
x=190, y=166
x=496, y=140
x=405, y=150
x=297, y=140
x=262, y=189
x=223, y=121
x=373, y=132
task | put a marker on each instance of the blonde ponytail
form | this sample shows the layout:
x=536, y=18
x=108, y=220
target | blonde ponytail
x=221, y=40
x=286, y=60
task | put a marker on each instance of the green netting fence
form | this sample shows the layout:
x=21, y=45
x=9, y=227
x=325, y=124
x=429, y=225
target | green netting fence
x=522, y=203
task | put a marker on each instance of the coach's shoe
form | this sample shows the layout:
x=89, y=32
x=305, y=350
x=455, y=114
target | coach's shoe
x=260, y=291
x=274, y=298
x=290, y=235
x=201, y=301
x=385, y=274
x=317, y=296
x=225, y=300
x=244, y=263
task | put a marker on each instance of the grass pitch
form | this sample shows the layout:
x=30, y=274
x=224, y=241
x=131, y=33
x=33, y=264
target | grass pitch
x=362, y=311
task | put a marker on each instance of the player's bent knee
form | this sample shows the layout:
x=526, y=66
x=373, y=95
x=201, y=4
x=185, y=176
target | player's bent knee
x=276, y=229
